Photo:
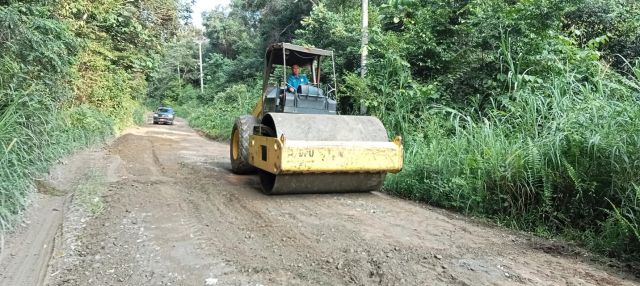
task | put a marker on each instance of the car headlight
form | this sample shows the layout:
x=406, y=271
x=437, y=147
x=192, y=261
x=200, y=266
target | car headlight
x=170, y=115
x=155, y=115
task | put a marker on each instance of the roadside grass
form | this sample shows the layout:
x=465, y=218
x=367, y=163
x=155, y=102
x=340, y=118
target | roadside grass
x=559, y=157
x=217, y=117
x=31, y=144
x=88, y=192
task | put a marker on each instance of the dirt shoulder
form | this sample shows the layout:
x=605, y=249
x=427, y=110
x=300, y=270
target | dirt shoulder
x=164, y=209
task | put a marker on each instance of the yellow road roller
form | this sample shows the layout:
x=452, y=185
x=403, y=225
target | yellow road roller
x=297, y=142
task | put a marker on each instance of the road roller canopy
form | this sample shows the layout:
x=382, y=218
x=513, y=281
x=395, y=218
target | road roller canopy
x=286, y=55
x=289, y=54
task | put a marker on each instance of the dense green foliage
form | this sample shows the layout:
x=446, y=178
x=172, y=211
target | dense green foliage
x=217, y=118
x=72, y=73
x=526, y=112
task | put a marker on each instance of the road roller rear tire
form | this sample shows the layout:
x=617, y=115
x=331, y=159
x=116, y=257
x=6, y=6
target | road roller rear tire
x=239, y=145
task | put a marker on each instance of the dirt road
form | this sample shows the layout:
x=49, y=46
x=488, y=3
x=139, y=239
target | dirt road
x=167, y=211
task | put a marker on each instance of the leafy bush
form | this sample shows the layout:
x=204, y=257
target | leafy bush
x=216, y=118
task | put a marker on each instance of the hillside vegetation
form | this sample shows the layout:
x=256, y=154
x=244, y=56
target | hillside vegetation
x=72, y=73
x=525, y=112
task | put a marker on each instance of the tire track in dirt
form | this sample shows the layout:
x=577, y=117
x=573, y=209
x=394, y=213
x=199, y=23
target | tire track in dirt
x=25, y=260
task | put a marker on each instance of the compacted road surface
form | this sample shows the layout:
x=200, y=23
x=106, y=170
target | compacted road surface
x=159, y=206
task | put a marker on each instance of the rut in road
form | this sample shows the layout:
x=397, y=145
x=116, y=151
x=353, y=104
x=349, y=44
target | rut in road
x=175, y=215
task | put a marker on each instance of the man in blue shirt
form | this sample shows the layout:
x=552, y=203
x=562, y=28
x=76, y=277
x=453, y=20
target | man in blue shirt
x=296, y=79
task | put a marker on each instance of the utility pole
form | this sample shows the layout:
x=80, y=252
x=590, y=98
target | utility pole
x=175, y=40
x=199, y=41
x=365, y=38
x=363, y=46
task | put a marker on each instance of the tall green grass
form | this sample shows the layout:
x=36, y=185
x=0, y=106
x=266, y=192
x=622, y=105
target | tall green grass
x=32, y=138
x=558, y=156
x=216, y=118
x=31, y=142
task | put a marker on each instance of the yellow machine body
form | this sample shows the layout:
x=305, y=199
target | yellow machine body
x=298, y=143
x=314, y=153
x=282, y=156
